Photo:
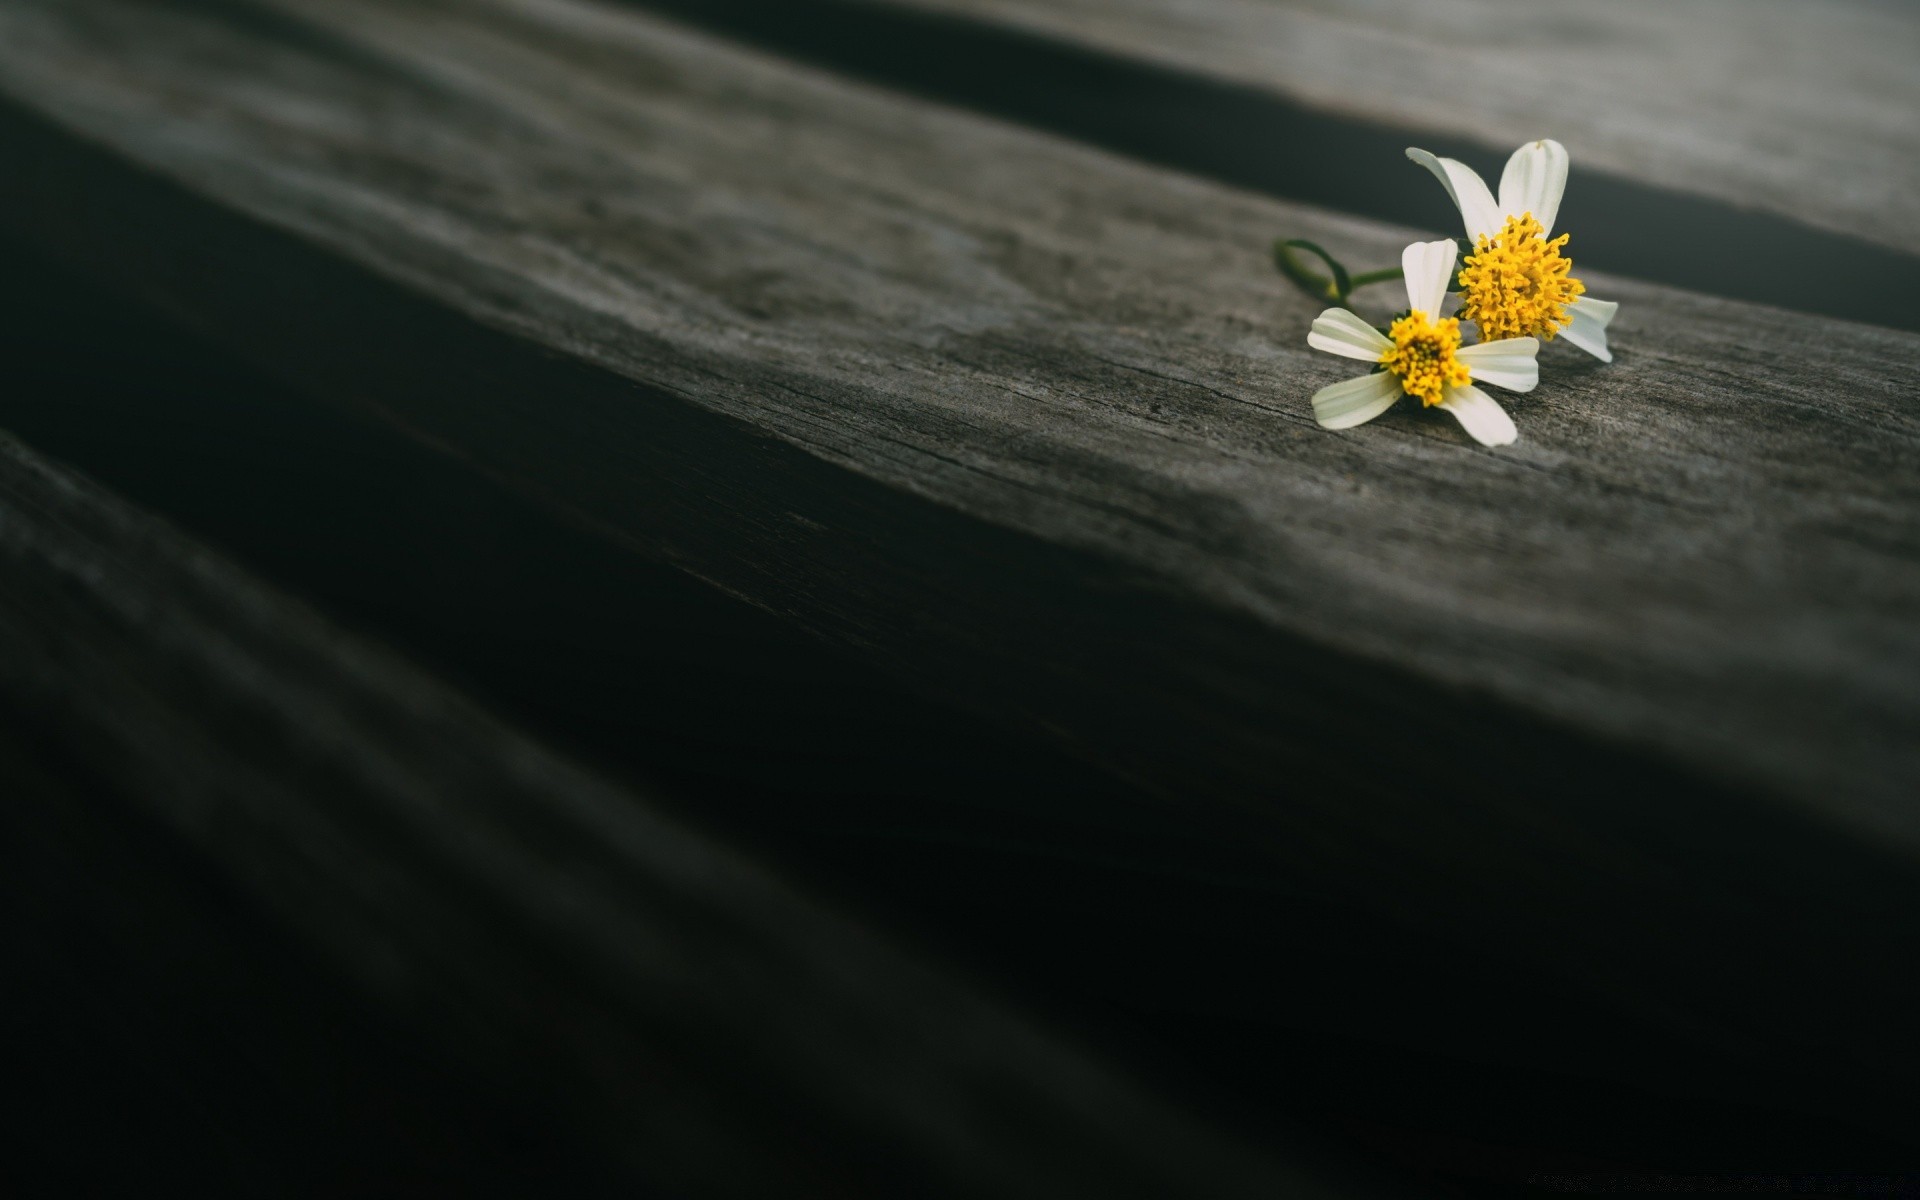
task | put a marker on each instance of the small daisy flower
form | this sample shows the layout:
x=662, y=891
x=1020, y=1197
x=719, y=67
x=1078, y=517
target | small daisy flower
x=1421, y=356
x=1516, y=281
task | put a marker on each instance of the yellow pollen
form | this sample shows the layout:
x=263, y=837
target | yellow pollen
x=1515, y=283
x=1422, y=356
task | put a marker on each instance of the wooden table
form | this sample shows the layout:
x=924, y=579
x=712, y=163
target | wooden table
x=1271, y=794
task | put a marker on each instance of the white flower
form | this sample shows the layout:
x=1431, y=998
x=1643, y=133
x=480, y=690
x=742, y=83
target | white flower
x=1515, y=281
x=1423, y=357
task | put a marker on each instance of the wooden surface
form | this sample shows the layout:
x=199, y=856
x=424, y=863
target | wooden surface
x=1116, y=382
x=688, y=1020
x=1027, y=425
x=1628, y=706
x=1806, y=110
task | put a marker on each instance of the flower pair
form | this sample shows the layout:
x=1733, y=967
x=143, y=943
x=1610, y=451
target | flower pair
x=1514, y=286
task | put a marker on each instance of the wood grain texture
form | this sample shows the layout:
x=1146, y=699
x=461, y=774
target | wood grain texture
x=680, y=1012
x=1806, y=110
x=1027, y=424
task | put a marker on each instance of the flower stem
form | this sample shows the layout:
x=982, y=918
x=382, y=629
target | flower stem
x=1383, y=275
x=1334, y=288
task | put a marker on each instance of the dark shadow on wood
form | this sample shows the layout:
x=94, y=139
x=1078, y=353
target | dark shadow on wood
x=226, y=802
x=148, y=996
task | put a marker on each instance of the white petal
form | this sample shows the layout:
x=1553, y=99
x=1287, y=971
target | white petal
x=1468, y=190
x=1507, y=363
x=1478, y=413
x=1588, y=329
x=1338, y=331
x=1428, y=267
x=1599, y=311
x=1355, y=401
x=1534, y=181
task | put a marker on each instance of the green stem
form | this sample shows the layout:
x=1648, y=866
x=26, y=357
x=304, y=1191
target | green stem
x=1330, y=289
x=1383, y=275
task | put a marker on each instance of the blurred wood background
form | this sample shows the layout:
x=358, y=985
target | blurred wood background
x=1366, y=814
x=1805, y=110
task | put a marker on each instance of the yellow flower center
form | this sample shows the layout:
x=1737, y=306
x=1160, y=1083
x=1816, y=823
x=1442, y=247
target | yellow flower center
x=1515, y=283
x=1422, y=356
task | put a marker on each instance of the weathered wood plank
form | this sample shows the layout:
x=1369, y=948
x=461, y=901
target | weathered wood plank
x=1028, y=425
x=1803, y=109
x=686, y=1016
